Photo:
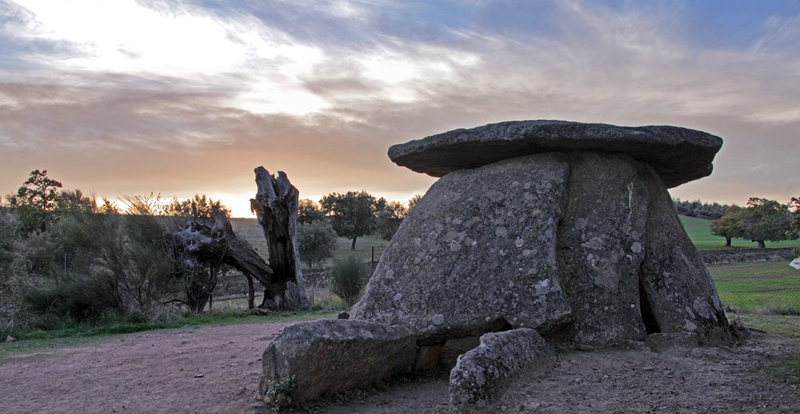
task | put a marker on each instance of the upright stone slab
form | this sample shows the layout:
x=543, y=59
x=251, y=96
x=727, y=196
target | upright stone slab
x=675, y=281
x=601, y=245
x=476, y=254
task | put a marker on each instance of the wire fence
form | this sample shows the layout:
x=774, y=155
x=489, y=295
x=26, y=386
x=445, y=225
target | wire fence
x=771, y=287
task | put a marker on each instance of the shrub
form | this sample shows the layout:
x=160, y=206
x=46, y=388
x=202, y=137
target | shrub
x=280, y=393
x=317, y=242
x=348, y=278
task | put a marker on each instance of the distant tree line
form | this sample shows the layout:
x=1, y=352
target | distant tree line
x=696, y=208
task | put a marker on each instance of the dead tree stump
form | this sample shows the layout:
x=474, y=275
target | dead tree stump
x=276, y=207
x=216, y=245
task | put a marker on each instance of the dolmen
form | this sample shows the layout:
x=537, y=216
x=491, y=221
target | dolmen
x=538, y=235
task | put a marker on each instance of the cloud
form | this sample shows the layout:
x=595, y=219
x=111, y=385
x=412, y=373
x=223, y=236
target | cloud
x=211, y=90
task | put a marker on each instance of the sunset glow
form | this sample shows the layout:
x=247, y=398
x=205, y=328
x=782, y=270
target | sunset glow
x=188, y=97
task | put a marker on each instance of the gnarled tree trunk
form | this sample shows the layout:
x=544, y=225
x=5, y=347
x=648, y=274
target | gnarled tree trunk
x=201, y=244
x=276, y=206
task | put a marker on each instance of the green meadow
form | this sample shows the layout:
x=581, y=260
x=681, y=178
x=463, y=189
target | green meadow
x=761, y=287
x=699, y=230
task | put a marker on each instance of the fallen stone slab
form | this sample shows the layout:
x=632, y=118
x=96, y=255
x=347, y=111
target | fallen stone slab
x=679, y=155
x=483, y=374
x=330, y=356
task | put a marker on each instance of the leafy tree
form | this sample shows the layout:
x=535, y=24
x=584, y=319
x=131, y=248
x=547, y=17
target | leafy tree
x=75, y=200
x=352, y=215
x=317, y=242
x=730, y=225
x=413, y=201
x=309, y=212
x=390, y=215
x=200, y=208
x=795, y=204
x=767, y=220
x=35, y=202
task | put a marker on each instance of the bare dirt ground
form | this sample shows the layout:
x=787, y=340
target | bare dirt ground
x=216, y=370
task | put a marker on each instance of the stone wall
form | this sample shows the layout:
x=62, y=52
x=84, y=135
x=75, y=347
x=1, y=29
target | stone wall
x=711, y=257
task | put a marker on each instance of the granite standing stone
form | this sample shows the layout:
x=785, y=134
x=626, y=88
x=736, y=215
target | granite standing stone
x=476, y=254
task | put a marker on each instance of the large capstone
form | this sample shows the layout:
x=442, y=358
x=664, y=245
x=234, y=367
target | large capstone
x=476, y=254
x=679, y=155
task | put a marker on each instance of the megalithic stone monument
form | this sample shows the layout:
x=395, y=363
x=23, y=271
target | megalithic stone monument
x=538, y=233
x=563, y=227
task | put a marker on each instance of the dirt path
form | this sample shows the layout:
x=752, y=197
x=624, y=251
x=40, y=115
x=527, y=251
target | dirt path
x=216, y=369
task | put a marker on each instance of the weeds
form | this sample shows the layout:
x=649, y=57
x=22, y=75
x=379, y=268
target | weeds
x=280, y=394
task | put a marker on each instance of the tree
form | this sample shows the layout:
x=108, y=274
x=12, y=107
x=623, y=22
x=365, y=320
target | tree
x=388, y=218
x=35, y=202
x=309, y=212
x=413, y=201
x=795, y=204
x=200, y=208
x=352, y=215
x=317, y=241
x=729, y=225
x=767, y=220
x=276, y=205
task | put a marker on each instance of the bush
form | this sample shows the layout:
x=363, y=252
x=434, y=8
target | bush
x=317, y=242
x=796, y=252
x=280, y=394
x=348, y=278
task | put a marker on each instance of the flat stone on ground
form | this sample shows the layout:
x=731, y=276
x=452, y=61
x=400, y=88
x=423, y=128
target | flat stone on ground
x=334, y=355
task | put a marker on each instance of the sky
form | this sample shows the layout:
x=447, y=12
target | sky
x=122, y=97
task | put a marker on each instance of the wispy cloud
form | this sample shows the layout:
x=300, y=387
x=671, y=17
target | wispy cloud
x=201, y=92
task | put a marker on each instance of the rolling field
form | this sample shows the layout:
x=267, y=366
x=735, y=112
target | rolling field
x=763, y=287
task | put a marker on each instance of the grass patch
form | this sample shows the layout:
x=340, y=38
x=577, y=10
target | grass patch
x=699, y=231
x=77, y=334
x=761, y=287
x=788, y=325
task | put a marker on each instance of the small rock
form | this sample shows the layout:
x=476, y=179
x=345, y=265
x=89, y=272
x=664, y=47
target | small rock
x=584, y=347
x=10, y=338
x=199, y=375
x=483, y=374
x=343, y=315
